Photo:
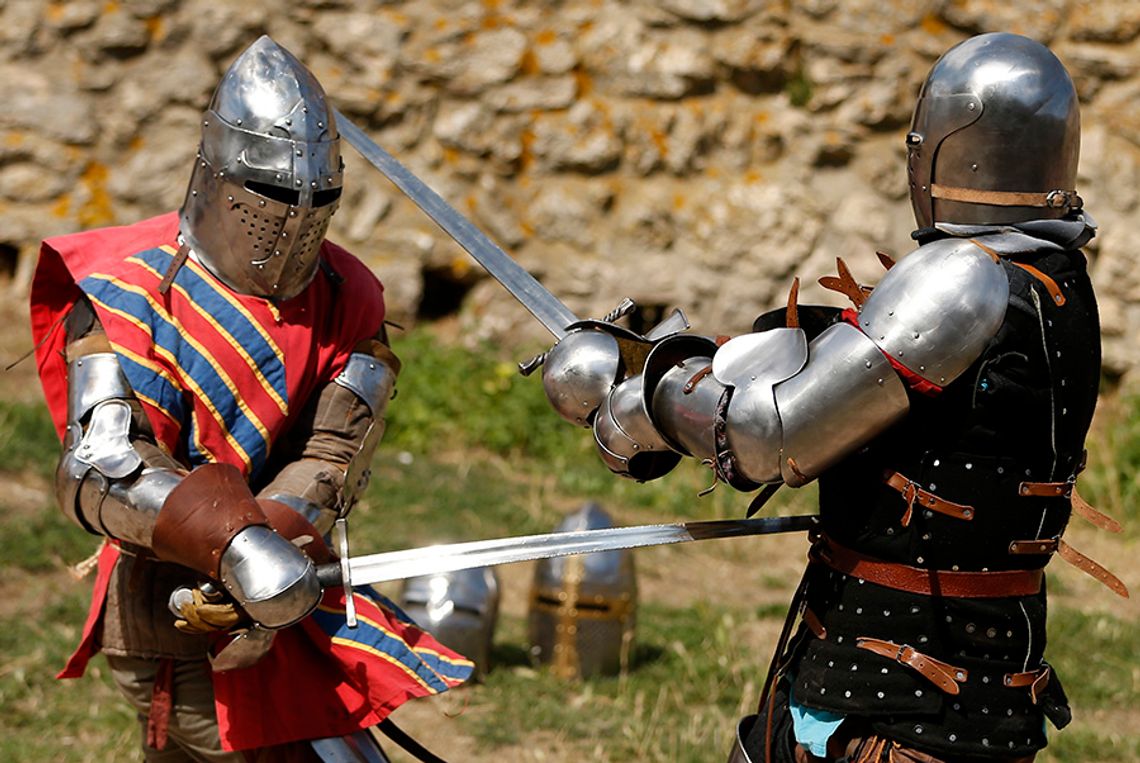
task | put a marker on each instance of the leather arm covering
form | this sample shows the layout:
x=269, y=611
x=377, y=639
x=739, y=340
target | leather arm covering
x=201, y=516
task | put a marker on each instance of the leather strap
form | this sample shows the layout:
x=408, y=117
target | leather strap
x=1090, y=567
x=1036, y=680
x=1042, y=546
x=1057, y=199
x=161, y=703
x=1083, y=508
x=943, y=675
x=901, y=577
x=845, y=284
x=1045, y=489
x=913, y=494
x=814, y=625
x=1050, y=285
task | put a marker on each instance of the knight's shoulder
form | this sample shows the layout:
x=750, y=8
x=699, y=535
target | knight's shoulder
x=949, y=271
x=351, y=271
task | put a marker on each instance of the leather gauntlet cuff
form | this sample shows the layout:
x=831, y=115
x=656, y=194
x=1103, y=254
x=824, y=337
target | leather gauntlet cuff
x=201, y=516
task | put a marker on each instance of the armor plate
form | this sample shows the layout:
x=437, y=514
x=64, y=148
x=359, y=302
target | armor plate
x=937, y=308
x=627, y=439
x=845, y=395
x=682, y=402
x=266, y=575
x=583, y=608
x=578, y=373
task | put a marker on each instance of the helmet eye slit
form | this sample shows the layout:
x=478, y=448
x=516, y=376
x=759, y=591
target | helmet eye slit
x=276, y=193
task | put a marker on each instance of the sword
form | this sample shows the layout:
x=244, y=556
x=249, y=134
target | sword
x=547, y=308
x=397, y=565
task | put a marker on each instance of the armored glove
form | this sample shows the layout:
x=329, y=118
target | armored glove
x=200, y=614
x=211, y=523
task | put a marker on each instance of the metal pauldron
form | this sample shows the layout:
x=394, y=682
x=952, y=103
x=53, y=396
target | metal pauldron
x=936, y=310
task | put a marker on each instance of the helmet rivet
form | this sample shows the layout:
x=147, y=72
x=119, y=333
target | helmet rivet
x=298, y=183
x=205, y=122
x=971, y=105
x=278, y=176
x=300, y=152
x=239, y=123
x=313, y=184
x=229, y=198
x=305, y=109
x=288, y=121
x=261, y=203
x=193, y=193
x=321, y=125
x=203, y=164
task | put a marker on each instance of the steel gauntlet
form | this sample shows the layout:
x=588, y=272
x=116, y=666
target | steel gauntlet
x=211, y=523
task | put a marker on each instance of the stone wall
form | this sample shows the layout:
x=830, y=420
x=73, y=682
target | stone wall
x=697, y=153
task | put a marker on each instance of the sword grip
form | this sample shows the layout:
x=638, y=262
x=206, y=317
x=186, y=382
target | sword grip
x=328, y=575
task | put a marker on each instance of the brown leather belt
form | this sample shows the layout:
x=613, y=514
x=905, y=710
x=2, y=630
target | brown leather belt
x=943, y=675
x=913, y=494
x=901, y=577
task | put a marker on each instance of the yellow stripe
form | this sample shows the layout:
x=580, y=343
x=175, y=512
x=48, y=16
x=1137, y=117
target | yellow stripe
x=249, y=361
x=225, y=293
x=190, y=382
x=462, y=663
x=170, y=359
x=415, y=650
x=384, y=655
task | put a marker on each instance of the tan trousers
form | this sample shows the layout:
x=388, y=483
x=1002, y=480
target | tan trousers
x=193, y=730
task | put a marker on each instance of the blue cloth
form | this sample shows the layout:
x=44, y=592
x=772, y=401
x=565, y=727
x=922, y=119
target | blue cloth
x=813, y=728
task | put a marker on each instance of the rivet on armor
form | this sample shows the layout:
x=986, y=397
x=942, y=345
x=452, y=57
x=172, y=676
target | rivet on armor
x=926, y=536
x=1001, y=470
x=880, y=382
x=918, y=729
x=918, y=693
x=238, y=121
x=831, y=663
x=957, y=706
x=937, y=462
x=884, y=671
x=1009, y=634
x=985, y=680
x=261, y=203
x=890, y=531
x=914, y=609
x=854, y=667
x=886, y=613
x=313, y=184
x=880, y=695
x=230, y=199
x=823, y=690
x=847, y=693
x=954, y=567
x=868, y=364
x=991, y=632
x=973, y=167
x=923, y=639
x=838, y=639
x=960, y=676
x=298, y=182
x=858, y=610
x=971, y=105
x=953, y=737
x=916, y=335
x=970, y=628
x=920, y=560
x=985, y=742
x=1009, y=712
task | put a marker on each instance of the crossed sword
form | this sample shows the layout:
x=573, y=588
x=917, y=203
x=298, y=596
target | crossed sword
x=559, y=320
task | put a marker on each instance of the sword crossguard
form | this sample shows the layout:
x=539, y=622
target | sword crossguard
x=341, y=529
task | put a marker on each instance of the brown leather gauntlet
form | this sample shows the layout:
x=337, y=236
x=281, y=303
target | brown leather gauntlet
x=201, y=516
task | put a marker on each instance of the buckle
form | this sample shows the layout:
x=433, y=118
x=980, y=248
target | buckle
x=1063, y=200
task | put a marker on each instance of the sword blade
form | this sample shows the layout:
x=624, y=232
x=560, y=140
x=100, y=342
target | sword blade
x=397, y=565
x=535, y=297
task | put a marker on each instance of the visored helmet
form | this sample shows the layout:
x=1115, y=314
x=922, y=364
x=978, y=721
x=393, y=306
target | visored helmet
x=583, y=609
x=996, y=135
x=459, y=608
x=268, y=175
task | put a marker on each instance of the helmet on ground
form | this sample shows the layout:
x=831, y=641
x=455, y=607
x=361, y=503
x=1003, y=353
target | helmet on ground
x=583, y=609
x=267, y=178
x=458, y=608
x=995, y=136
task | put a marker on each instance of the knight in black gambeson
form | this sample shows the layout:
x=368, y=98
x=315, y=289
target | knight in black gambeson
x=944, y=415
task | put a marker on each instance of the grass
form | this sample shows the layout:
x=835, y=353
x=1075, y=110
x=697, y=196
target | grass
x=473, y=451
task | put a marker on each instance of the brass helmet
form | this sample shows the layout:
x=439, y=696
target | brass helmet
x=459, y=608
x=267, y=178
x=996, y=135
x=583, y=609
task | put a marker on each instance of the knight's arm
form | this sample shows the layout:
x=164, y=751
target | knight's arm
x=772, y=406
x=113, y=479
x=325, y=459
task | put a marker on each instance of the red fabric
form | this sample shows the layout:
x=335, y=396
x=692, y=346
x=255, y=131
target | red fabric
x=161, y=702
x=344, y=689
x=910, y=378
